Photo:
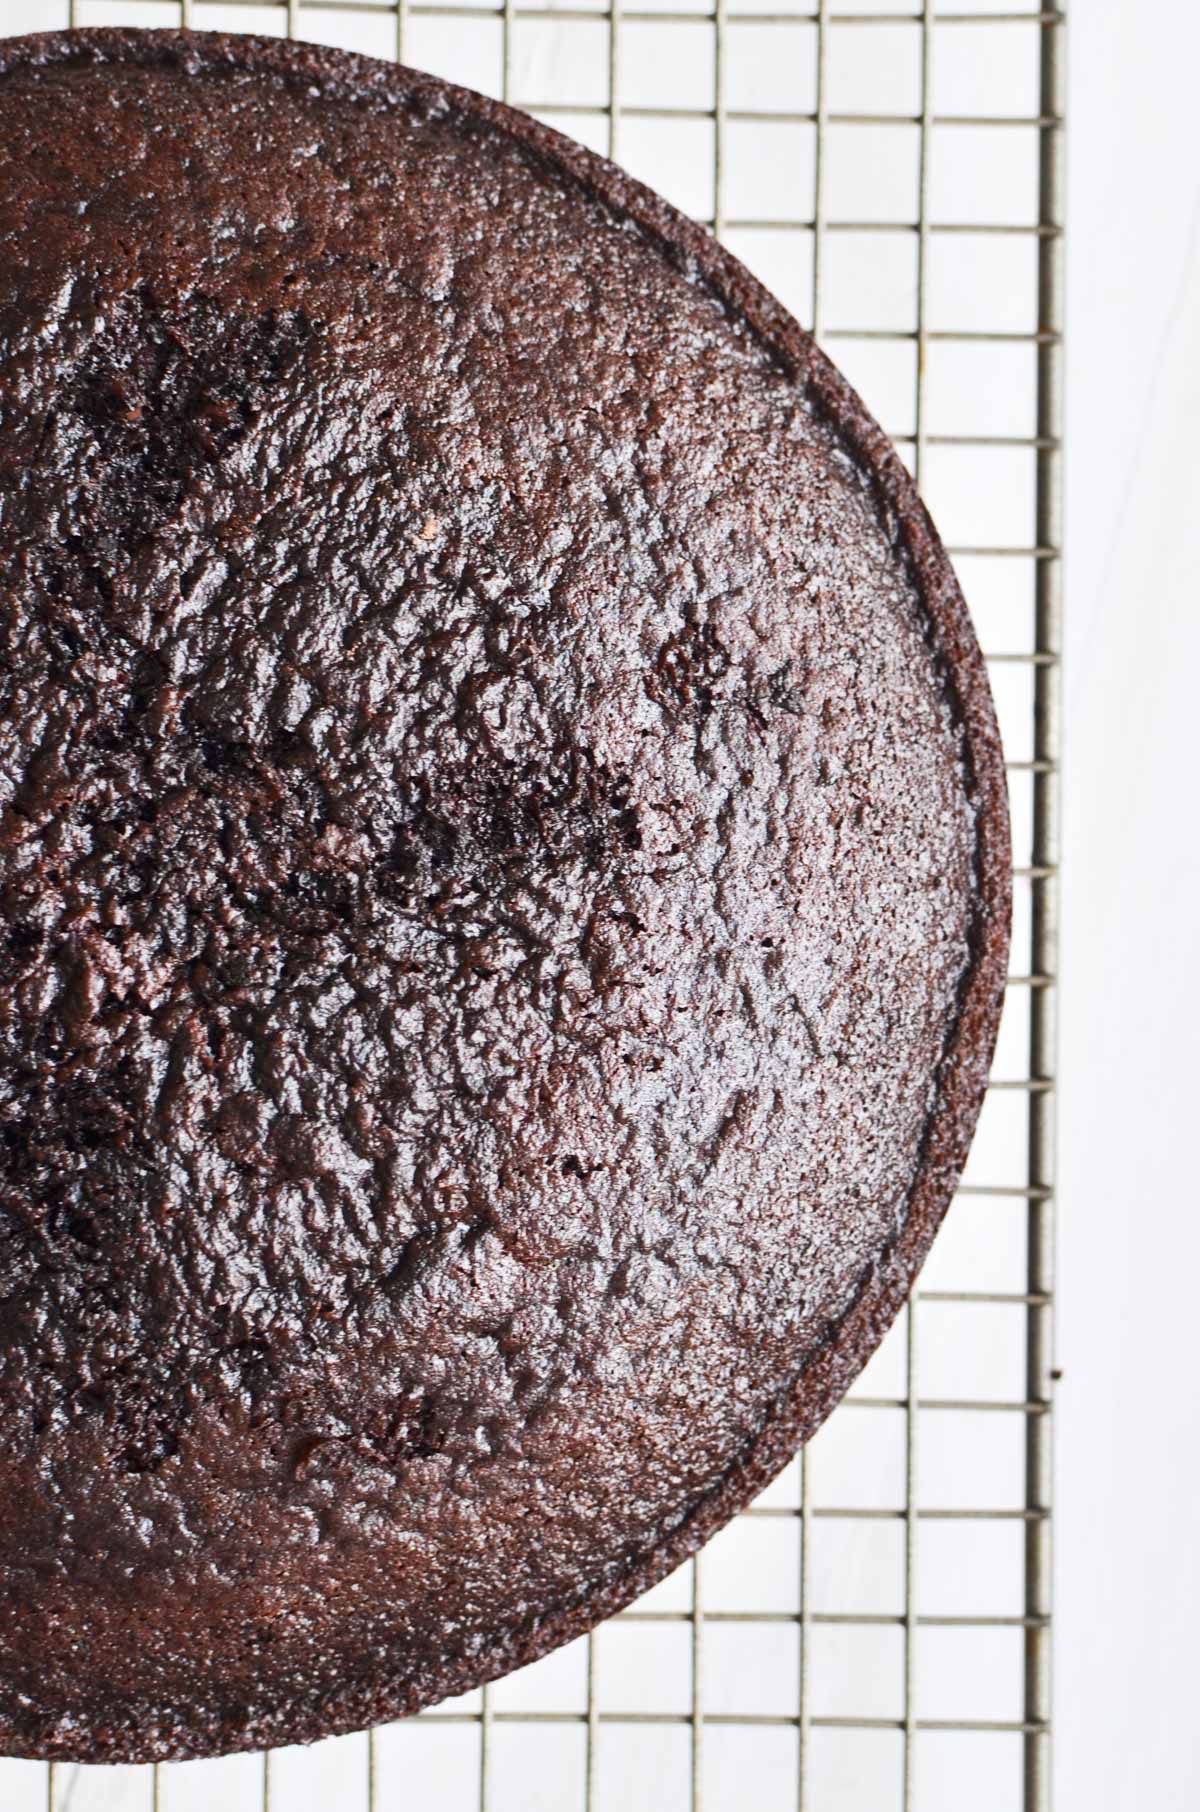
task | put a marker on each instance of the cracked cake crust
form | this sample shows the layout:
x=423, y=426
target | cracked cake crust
x=505, y=872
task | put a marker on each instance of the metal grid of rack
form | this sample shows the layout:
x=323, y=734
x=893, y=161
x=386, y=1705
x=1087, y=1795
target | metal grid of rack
x=775, y=1670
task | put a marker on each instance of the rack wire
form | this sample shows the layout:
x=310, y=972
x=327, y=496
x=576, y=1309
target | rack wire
x=775, y=1671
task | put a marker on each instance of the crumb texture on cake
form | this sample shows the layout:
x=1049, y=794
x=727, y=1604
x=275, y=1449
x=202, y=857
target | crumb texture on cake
x=490, y=862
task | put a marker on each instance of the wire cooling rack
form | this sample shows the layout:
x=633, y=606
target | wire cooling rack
x=874, y=1634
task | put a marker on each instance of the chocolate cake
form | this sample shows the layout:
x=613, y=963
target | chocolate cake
x=504, y=869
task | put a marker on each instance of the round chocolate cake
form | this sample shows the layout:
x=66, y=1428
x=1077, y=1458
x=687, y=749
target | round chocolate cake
x=504, y=869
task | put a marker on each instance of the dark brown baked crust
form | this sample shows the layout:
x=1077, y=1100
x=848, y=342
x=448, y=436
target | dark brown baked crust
x=505, y=873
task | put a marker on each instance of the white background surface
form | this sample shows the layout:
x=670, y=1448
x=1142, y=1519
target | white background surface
x=1129, y=1242
x=1127, y=1571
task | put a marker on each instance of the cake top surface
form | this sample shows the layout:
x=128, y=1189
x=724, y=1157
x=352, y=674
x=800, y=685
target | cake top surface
x=502, y=851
